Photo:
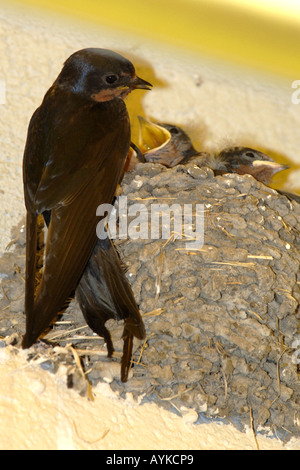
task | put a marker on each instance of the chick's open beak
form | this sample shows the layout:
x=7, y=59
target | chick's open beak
x=151, y=135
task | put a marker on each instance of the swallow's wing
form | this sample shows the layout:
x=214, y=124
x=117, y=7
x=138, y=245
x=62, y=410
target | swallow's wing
x=80, y=146
x=33, y=166
x=92, y=172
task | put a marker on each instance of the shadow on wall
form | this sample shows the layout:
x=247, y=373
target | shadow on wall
x=134, y=102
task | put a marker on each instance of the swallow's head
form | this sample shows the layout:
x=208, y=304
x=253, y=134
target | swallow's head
x=244, y=160
x=164, y=143
x=99, y=75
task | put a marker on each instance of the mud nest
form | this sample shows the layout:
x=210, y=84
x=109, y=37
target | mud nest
x=222, y=320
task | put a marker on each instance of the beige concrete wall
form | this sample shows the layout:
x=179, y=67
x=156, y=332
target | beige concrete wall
x=217, y=106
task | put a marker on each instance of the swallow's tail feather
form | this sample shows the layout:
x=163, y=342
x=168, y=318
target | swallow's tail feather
x=127, y=354
x=30, y=274
x=103, y=293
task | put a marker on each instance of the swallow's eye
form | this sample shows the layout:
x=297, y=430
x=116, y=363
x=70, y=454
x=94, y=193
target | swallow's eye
x=110, y=79
x=250, y=154
x=174, y=130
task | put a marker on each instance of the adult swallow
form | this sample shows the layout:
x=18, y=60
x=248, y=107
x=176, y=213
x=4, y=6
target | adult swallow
x=77, y=143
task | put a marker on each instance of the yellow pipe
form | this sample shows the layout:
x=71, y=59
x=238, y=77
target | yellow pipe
x=251, y=34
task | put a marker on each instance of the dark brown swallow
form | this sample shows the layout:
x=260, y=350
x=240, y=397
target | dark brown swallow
x=77, y=143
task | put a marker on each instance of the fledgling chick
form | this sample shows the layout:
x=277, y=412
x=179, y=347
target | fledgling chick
x=169, y=145
x=245, y=160
x=162, y=143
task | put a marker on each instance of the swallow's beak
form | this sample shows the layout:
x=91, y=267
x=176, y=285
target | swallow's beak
x=124, y=90
x=264, y=170
x=151, y=136
x=138, y=82
x=272, y=167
